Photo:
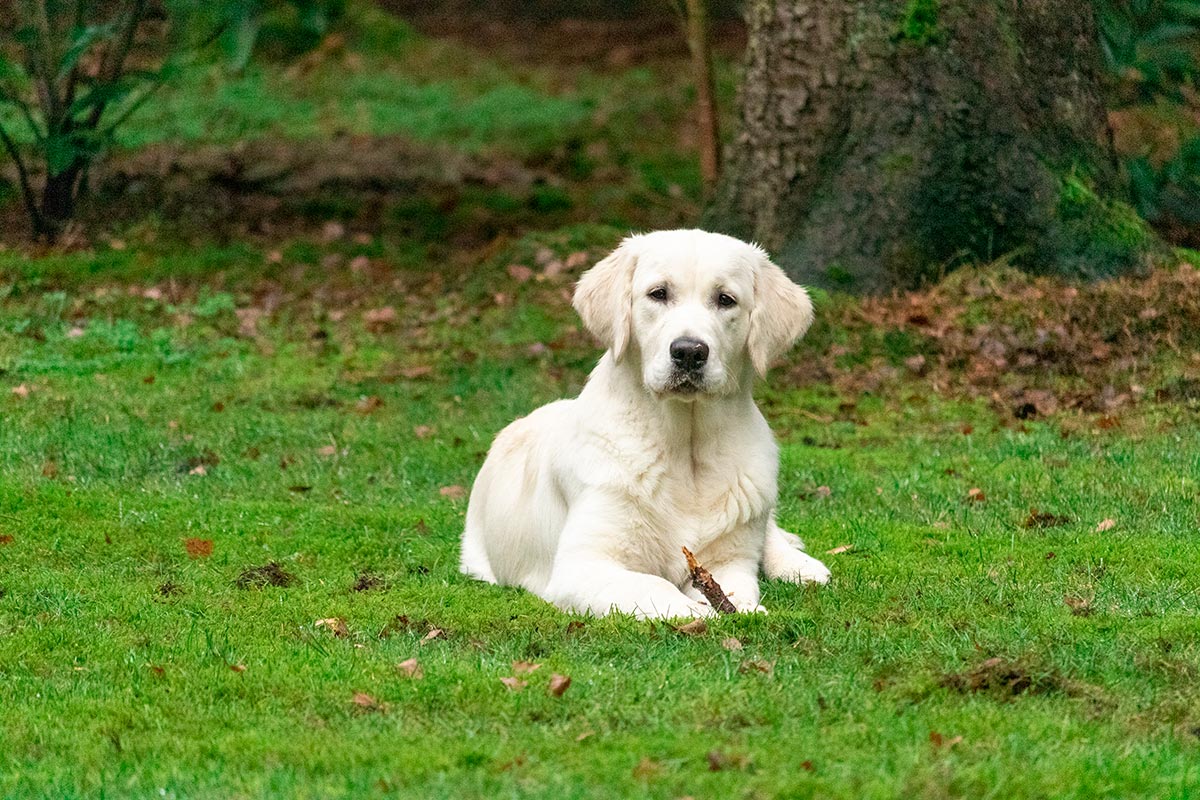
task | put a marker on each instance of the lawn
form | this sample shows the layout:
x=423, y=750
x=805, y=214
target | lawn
x=233, y=466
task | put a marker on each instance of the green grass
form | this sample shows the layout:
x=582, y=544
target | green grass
x=110, y=687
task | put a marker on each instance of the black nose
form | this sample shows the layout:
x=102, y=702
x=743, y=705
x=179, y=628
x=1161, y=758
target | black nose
x=689, y=354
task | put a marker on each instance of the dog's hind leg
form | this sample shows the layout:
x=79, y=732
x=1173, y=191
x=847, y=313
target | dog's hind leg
x=474, y=560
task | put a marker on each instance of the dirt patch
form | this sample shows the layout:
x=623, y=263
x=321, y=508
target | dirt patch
x=170, y=589
x=270, y=574
x=596, y=35
x=1004, y=678
x=367, y=581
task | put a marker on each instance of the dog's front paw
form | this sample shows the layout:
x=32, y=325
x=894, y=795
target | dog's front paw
x=797, y=566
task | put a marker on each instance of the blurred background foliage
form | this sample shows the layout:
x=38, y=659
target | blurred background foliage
x=68, y=93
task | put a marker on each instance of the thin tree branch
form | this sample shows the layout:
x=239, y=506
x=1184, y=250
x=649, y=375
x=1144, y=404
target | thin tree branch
x=23, y=177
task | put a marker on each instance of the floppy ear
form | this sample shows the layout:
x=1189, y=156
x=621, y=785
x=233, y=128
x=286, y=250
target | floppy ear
x=604, y=299
x=782, y=313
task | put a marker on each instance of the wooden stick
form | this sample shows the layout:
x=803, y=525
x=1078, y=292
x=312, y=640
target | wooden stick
x=702, y=579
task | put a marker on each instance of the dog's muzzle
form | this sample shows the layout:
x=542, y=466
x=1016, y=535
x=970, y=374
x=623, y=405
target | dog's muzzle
x=688, y=357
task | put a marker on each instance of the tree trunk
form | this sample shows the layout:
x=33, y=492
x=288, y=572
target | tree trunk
x=885, y=142
x=706, y=101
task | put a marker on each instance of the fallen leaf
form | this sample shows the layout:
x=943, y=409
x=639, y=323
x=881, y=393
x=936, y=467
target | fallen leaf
x=525, y=667
x=647, y=768
x=756, y=665
x=199, y=469
x=198, y=548
x=584, y=735
x=842, y=548
x=238, y=667
x=419, y=371
x=335, y=625
x=519, y=272
x=75, y=332
x=559, y=684
x=379, y=319
x=731, y=644
x=696, y=627
x=454, y=492
x=366, y=702
x=422, y=431
x=6, y=538
x=411, y=668
x=514, y=684
x=300, y=488
x=940, y=742
x=1105, y=525
x=823, y=492
x=50, y=468
x=434, y=633
x=368, y=404
x=21, y=391
x=360, y=264
x=327, y=450
x=975, y=495
x=807, y=766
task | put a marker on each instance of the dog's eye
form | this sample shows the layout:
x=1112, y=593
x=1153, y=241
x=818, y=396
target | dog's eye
x=726, y=300
x=658, y=293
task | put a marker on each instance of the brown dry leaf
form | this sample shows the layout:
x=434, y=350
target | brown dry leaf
x=731, y=644
x=411, y=668
x=50, y=468
x=418, y=371
x=576, y=259
x=823, y=492
x=454, y=492
x=585, y=735
x=423, y=431
x=368, y=404
x=366, y=702
x=335, y=625
x=199, y=469
x=841, y=548
x=514, y=684
x=696, y=627
x=975, y=495
x=198, y=548
x=1105, y=525
x=378, y=320
x=434, y=633
x=238, y=667
x=524, y=667
x=519, y=272
x=360, y=264
x=327, y=450
x=940, y=742
x=757, y=665
x=6, y=538
x=559, y=684
x=21, y=391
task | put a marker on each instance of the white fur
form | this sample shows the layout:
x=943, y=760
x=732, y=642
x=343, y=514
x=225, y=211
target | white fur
x=587, y=502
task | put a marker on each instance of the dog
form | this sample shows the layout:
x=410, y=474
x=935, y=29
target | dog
x=588, y=502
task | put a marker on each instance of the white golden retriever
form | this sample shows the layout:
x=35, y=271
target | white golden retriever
x=587, y=502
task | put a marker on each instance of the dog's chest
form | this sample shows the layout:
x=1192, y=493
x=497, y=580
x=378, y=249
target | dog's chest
x=708, y=500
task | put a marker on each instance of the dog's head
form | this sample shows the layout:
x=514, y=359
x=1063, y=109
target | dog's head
x=694, y=308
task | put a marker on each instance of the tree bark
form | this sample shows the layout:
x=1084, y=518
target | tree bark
x=885, y=142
